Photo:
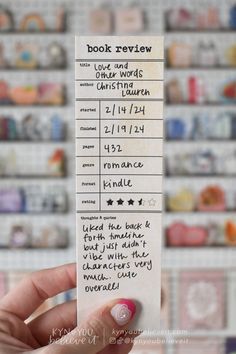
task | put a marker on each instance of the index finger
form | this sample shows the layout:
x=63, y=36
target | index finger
x=36, y=288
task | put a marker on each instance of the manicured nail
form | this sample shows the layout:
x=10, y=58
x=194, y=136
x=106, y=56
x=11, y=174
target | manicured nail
x=123, y=311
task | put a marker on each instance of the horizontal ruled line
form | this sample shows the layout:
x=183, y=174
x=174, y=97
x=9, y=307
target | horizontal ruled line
x=120, y=60
x=118, y=119
x=117, y=156
x=119, y=211
x=118, y=193
x=118, y=174
x=121, y=99
x=118, y=137
x=118, y=99
x=129, y=80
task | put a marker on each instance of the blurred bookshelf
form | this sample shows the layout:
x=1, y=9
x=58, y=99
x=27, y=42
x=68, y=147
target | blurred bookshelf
x=31, y=258
x=174, y=259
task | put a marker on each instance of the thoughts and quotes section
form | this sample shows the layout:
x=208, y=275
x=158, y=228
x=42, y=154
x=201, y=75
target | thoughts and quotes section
x=119, y=157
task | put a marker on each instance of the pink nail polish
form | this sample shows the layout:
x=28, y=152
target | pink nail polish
x=123, y=311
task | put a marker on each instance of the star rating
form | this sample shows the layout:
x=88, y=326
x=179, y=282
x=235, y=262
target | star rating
x=152, y=202
x=131, y=202
x=140, y=201
x=149, y=203
x=109, y=202
x=120, y=201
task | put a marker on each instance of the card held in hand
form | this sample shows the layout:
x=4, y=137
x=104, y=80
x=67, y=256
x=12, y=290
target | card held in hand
x=119, y=158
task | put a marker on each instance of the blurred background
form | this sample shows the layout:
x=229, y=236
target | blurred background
x=37, y=224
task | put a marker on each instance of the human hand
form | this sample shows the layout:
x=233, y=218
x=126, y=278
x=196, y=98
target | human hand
x=96, y=335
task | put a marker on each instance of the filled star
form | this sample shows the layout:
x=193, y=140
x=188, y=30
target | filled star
x=140, y=201
x=131, y=202
x=120, y=201
x=109, y=202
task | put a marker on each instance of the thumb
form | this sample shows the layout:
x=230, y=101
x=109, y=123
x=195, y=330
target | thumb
x=99, y=330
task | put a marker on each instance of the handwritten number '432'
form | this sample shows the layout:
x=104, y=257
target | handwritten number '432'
x=112, y=148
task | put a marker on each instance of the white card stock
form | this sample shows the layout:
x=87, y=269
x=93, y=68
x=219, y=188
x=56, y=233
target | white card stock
x=119, y=149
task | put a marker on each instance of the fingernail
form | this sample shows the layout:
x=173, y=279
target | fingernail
x=123, y=311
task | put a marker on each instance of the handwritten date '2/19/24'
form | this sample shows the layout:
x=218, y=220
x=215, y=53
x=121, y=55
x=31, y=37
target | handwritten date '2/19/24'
x=124, y=129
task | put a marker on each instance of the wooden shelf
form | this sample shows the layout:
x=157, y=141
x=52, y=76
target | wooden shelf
x=15, y=249
x=200, y=140
x=9, y=69
x=31, y=141
x=223, y=67
x=205, y=104
x=46, y=32
x=196, y=212
x=31, y=106
x=43, y=213
x=201, y=176
x=206, y=247
x=223, y=30
x=32, y=177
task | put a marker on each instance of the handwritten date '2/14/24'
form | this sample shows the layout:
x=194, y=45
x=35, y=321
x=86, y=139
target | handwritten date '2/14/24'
x=127, y=109
x=124, y=129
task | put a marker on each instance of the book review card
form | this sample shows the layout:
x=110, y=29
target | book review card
x=119, y=136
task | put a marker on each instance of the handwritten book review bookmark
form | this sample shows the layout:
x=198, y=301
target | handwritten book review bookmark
x=119, y=156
